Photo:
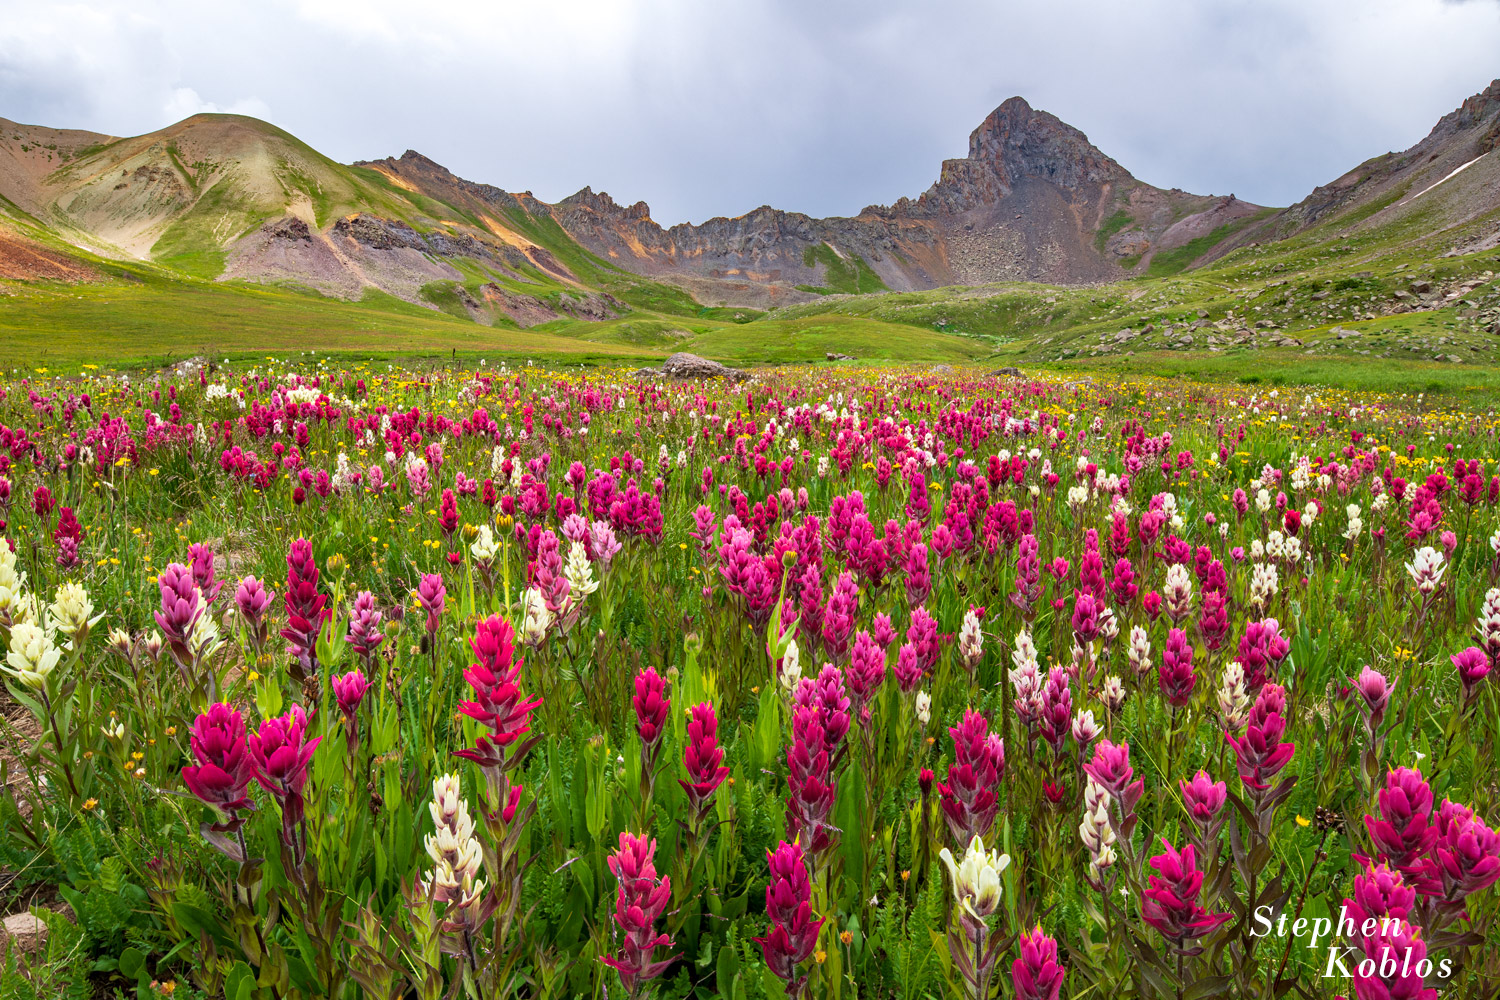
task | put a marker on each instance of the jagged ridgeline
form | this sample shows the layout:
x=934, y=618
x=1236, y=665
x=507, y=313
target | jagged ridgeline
x=225, y=198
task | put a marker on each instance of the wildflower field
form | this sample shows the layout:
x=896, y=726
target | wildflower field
x=348, y=682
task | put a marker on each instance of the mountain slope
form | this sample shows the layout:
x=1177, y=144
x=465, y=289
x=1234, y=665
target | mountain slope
x=229, y=197
x=1449, y=182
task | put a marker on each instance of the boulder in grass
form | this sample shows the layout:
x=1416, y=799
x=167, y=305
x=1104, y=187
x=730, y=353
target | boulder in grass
x=690, y=366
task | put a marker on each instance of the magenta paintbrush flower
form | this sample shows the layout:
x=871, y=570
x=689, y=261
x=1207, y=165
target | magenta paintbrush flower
x=826, y=692
x=1472, y=666
x=922, y=634
x=651, y=706
x=1213, y=620
x=1260, y=754
x=1111, y=770
x=1375, y=691
x=349, y=690
x=838, y=617
x=865, y=675
x=1028, y=592
x=281, y=753
x=432, y=596
x=1176, y=672
x=908, y=669
x=1056, y=720
x=810, y=781
x=1037, y=974
x=498, y=703
x=1085, y=620
x=224, y=769
x=1379, y=894
x=364, y=627
x=793, y=933
x=201, y=558
x=1170, y=902
x=1260, y=652
x=640, y=900
x=1466, y=854
x=1405, y=834
x=1205, y=800
x=252, y=599
x=182, y=605
x=703, y=759
x=1394, y=966
x=970, y=798
x=918, y=575
x=305, y=607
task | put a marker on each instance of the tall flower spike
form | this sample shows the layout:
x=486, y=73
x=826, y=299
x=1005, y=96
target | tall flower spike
x=252, y=599
x=222, y=776
x=1260, y=754
x=349, y=690
x=181, y=606
x=703, y=759
x=1110, y=768
x=281, y=753
x=793, y=933
x=306, y=608
x=1177, y=678
x=1375, y=691
x=364, y=628
x=498, y=703
x=457, y=859
x=1037, y=974
x=1170, y=903
x=651, y=706
x=432, y=596
x=970, y=797
x=640, y=901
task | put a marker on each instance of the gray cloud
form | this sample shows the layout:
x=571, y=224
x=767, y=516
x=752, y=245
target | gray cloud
x=713, y=109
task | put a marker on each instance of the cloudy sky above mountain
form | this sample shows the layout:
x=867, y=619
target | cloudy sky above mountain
x=707, y=109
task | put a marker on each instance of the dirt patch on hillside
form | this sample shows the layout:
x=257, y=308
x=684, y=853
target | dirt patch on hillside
x=22, y=260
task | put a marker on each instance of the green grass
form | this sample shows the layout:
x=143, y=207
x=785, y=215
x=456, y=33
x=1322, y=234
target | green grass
x=194, y=242
x=152, y=318
x=1478, y=386
x=444, y=295
x=1112, y=225
x=847, y=275
x=779, y=341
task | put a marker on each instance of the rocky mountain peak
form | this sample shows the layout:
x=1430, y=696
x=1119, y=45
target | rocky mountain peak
x=412, y=158
x=603, y=204
x=1479, y=107
x=1019, y=141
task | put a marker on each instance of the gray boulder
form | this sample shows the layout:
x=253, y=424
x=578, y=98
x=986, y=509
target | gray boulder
x=690, y=366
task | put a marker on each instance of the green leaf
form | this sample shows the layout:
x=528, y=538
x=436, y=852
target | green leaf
x=239, y=984
x=1208, y=986
x=132, y=963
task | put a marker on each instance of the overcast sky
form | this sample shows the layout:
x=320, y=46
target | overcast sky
x=707, y=108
